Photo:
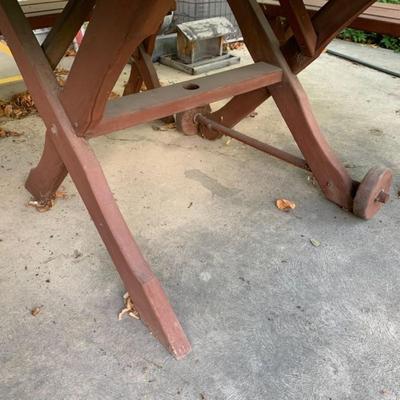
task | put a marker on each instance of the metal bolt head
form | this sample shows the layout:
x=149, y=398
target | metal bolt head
x=383, y=197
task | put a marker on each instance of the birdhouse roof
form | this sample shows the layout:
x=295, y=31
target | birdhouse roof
x=206, y=28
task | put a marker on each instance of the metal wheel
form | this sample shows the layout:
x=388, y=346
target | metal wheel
x=185, y=120
x=373, y=192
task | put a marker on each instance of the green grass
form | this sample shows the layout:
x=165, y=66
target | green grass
x=388, y=42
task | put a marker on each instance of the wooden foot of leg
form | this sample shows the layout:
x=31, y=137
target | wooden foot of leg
x=142, y=285
x=294, y=106
x=44, y=180
x=330, y=173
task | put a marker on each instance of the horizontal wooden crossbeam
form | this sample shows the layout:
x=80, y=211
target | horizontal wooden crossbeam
x=158, y=103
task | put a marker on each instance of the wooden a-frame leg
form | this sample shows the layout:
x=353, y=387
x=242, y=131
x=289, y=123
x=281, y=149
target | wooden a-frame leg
x=67, y=25
x=135, y=81
x=293, y=103
x=143, y=70
x=44, y=180
x=76, y=154
x=92, y=75
x=328, y=23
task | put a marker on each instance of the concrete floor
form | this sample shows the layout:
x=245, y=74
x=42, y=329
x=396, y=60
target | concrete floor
x=269, y=315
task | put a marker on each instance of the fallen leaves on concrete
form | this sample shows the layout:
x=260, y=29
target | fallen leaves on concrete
x=166, y=127
x=19, y=106
x=234, y=46
x=129, y=308
x=70, y=52
x=61, y=74
x=113, y=96
x=315, y=242
x=35, y=311
x=61, y=71
x=44, y=206
x=285, y=205
x=4, y=133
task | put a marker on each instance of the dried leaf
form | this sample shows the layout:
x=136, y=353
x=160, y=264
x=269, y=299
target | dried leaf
x=8, y=110
x=61, y=71
x=41, y=206
x=61, y=194
x=129, y=308
x=113, y=96
x=61, y=81
x=70, y=52
x=285, y=205
x=4, y=133
x=234, y=45
x=165, y=127
x=35, y=311
x=20, y=105
x=315, y=243
x=46, y=205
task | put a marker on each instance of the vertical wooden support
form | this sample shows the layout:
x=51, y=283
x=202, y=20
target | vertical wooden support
x=143, y=71
x=44, y=180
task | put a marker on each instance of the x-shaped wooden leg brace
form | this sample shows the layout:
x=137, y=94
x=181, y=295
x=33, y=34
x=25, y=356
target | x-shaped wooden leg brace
x=78, y=110
x=116, y=29
x=309, y=39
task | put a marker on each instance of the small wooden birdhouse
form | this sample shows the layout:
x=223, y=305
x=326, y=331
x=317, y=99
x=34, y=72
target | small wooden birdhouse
x=203, y=39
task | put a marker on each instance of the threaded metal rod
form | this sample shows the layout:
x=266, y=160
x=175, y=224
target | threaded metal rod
x=264, y=147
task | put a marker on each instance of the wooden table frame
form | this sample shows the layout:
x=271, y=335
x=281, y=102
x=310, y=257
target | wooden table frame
x=80, y=110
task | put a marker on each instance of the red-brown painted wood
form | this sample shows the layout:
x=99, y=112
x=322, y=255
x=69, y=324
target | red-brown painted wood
x=378, y=17
x=143, y=286
x=301, y=25
x=65, y=28
x=150, y=105
x=293, y=103
x=116, y=29
x=342, y=15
